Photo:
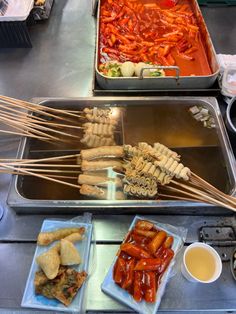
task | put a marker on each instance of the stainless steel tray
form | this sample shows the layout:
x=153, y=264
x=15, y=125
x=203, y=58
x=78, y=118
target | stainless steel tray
x=168, y=82
x=165, y=119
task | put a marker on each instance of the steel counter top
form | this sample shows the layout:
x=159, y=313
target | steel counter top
x=60, y=64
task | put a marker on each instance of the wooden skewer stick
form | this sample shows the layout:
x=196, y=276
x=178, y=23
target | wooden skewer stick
x=49, y=170
x=27, y=128
x=216, y=194
x=57, y=158
x=36, y=126
x=21, y=115
x=21, y=105
x=178, y=197
x=205, y=183
x=172, y=189
x=42, y=165
x=204, y=195
x=60, y=125
x=32, y=105
x=23, y=134
x=6, y=171
x=40, y=176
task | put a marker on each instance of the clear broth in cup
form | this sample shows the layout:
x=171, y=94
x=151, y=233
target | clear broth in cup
x=200, y=263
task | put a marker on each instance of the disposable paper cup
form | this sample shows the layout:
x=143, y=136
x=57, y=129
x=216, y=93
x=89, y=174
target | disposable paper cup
x=218, y=264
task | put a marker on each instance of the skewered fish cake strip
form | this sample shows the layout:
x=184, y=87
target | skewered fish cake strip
x=131, y=151
x=162, y=149
x=102, y=152
x=101, y=129
x=161, y=177
x=101, y=165
x=100, y=115
x=159, y=151
x=170, y=166
x=138, y=191
x=98, y=111
x=101, y=193
x=141, y=181
x=99, y=180
x=148, y=171
x=92, y=140
x=97, y=119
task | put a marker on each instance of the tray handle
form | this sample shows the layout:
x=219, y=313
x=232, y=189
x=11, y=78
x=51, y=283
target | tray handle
x=176, y=68
x=94, y=7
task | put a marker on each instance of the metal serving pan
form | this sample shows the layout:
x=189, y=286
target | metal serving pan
x=165, y=119
x=168, y=82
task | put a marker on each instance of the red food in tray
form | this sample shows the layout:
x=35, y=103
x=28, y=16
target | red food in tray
x=142, y=260
x=163, y=32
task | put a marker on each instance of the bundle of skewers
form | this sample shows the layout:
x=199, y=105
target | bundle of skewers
x=125, y=172
x=44, y=123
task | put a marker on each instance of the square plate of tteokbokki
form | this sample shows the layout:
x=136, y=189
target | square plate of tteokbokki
x=59, y=269
x=142, y=265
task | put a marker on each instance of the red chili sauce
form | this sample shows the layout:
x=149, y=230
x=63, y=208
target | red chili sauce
x=142, y=260
x=163, y=32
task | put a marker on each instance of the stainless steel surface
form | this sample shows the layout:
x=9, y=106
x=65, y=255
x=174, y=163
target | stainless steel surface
x=61, y=62
x=109, y=228
x=180, y=295
x=166, y=120
x=167, y=82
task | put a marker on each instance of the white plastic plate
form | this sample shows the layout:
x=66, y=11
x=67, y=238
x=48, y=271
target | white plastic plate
x=30, y=299
x=112, y=289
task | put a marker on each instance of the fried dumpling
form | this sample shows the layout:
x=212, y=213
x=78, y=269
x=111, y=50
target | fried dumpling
x=69, y=253
x=49, y=262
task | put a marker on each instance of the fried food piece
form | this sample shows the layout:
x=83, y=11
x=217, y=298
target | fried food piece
x=49, y=262
x=74, y=237
x=45, y=238
x=69, y=253
x=63, y=288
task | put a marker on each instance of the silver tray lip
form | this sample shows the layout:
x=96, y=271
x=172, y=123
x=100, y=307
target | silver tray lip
x=15, y=199
x=206, y=80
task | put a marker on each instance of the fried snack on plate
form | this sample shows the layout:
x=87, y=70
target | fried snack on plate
x=69, y=253
x=49, y=262
x=63, y=288
x=45, y=238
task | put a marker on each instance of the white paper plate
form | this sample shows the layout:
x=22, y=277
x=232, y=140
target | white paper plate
x=30, y=299
x=112, y=289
